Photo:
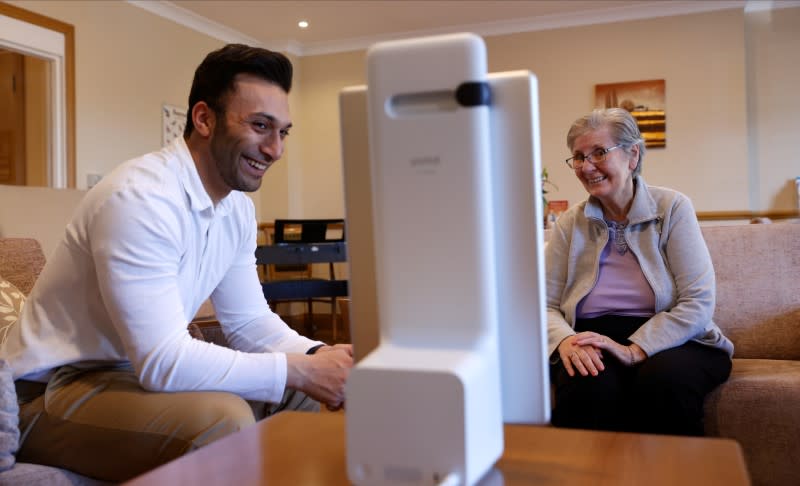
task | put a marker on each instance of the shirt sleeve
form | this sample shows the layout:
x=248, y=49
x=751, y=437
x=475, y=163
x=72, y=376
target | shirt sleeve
x=556, y=263
x=136, y=244
x=248, y=322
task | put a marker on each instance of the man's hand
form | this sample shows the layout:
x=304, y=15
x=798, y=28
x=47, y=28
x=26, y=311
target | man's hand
x=586, y=358
x=322, y=375
x=346, y=347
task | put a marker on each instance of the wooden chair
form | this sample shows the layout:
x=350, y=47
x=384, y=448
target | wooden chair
x=280, y=271
x=344, y=318
x=303, y=231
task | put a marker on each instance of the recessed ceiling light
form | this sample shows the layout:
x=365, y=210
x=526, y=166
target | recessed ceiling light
x=302, y=24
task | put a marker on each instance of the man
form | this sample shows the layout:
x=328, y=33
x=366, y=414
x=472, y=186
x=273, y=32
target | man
x=110, y=382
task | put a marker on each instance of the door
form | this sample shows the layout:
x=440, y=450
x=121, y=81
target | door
x=12, y=118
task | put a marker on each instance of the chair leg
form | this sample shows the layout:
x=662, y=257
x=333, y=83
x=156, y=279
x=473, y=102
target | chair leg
x=308, y=319
x=334, y=324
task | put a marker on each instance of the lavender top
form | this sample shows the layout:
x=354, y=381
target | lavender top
x=621, y=288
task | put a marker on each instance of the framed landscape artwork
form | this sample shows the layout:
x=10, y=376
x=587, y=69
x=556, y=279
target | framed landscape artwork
x=644, y=100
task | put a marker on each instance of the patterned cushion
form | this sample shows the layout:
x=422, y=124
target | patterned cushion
x=11, y=301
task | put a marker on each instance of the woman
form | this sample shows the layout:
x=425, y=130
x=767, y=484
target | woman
x=630, y=294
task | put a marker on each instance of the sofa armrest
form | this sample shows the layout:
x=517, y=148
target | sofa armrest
x=21, y=260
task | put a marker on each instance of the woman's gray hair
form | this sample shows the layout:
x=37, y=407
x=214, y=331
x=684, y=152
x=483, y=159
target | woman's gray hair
x=621, y=124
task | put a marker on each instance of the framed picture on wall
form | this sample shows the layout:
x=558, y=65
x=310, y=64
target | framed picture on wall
x=645, y=101
x=173, y=121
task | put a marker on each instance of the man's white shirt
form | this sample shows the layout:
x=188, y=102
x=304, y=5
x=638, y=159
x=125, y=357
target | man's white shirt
x=144, y=249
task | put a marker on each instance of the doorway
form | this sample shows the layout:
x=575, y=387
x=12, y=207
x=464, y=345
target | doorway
x=37, y=141
x=23, y=119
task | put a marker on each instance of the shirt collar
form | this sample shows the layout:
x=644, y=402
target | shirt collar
x=643, y=209
x=198, y=197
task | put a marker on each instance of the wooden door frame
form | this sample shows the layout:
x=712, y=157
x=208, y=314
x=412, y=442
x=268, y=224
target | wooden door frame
x=69, y=74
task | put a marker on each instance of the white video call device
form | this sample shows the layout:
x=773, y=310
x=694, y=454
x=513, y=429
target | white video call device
x=456, y=214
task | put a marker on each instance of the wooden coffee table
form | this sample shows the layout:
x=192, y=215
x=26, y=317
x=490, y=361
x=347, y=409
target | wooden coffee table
x=295, y=448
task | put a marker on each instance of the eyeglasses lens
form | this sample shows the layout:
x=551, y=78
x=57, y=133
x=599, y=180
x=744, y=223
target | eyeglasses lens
x=598, y=156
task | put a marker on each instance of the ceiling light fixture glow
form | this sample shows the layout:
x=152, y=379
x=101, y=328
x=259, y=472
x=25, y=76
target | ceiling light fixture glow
x=302, y=24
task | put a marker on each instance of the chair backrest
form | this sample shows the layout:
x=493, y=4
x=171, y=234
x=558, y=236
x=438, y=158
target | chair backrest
x=308, y=230
x=21, y=260
x=302, y=231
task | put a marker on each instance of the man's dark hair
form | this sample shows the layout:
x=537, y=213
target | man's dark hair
x=214, y=77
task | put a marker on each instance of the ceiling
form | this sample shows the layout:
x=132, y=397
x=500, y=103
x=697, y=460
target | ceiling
x=348, y=25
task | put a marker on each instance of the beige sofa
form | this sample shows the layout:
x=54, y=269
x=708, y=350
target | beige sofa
x=758, y=307
x=21, y=260
x=757, y=268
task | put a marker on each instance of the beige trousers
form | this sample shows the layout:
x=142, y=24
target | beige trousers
x=101, y=423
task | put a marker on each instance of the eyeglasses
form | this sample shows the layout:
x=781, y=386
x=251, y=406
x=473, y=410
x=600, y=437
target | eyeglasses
x=596, y=158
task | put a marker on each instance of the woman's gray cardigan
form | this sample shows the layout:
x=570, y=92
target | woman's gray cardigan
x=664, y=235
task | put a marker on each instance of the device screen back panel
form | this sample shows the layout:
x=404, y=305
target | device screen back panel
x=431, y=190
x=519, y=246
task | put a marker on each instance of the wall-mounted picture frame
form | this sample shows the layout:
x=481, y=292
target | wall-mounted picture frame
x=645, y=100
x=173, y=121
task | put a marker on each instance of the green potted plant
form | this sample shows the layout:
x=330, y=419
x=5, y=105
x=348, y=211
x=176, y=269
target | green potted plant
x=546, y=183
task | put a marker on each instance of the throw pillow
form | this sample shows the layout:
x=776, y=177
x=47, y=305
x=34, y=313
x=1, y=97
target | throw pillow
x=11, y=301
x=9, y=418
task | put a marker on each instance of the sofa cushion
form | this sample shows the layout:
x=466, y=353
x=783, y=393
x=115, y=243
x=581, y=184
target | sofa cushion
x=758, y=406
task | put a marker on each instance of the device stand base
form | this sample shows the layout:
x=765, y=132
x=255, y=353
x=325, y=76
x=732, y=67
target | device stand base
x=423, y=416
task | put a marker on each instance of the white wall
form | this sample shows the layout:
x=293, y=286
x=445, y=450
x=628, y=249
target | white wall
x=317, y=122
x=705, y=60
x=731, y=89
x=701, y=59
x=128, y=62
x=773, y=51
x=41, y=213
